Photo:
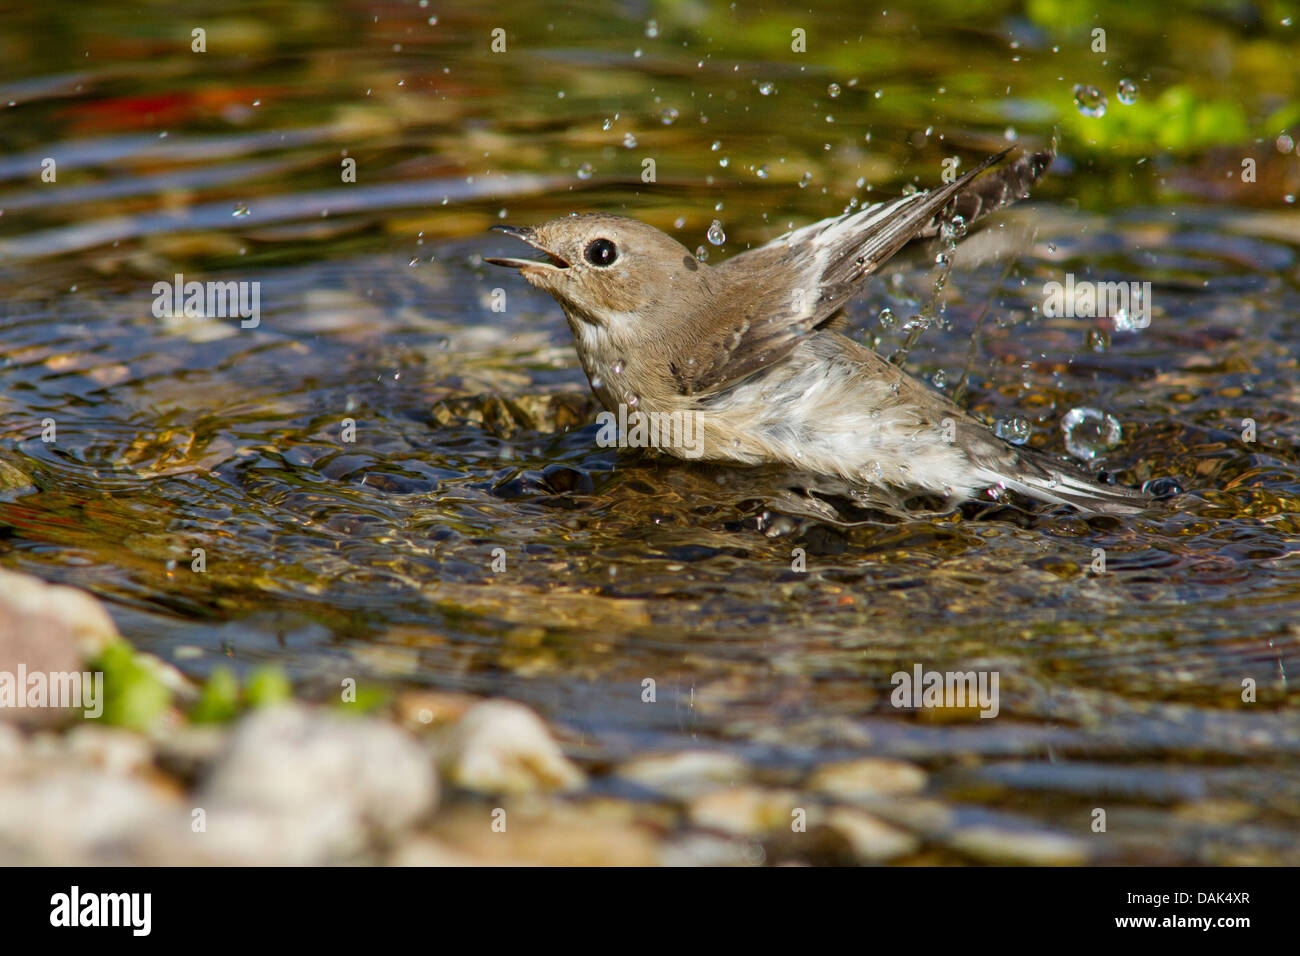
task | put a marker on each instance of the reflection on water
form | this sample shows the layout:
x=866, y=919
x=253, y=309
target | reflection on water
x=473, y=429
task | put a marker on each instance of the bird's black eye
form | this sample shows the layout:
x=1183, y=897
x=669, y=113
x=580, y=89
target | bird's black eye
x=600, y=252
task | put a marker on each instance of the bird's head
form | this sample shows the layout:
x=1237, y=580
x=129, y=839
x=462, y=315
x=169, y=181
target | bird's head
x=614, y=274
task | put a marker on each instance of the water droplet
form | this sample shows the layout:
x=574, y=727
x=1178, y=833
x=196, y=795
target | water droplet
x=1284, y=143
x=767, y=88
x=833, y=90
x=679, y=222
x=651, y=29
x=762, y=172
x=1089, y=432
x=597, y=382
x=939, y=378
x=1098, y=340
x=629, y=141
x=887, y=319
x=1090, y=100
x=1013, y=430
x=717, y=145
x=1128, y=92
x=702, y=253
x=607, y=125
x=954, y=229
x=585, y=171
x=804, y=180
x=241, y=210
x=668, y=115
x=724, y=162
x=1124, y=322
x=618, y=367
x=716, y=235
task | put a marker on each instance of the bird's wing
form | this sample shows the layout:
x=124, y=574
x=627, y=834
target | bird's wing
x=783, y=291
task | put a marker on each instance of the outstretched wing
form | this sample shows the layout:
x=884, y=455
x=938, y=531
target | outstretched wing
x=797, y=282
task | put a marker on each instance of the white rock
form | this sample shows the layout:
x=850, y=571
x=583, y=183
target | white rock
x=76, y=816
x=111, y=749
x=500, y=746
x=744, y=810
x=871, y=840
x=313, y=771
x=687, y=774
x=867, y=778
x=994, y=844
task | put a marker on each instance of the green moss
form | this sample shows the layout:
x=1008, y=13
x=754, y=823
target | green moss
x=134, y=697
x=219, y=700
x=368, y=700
x=266, y=686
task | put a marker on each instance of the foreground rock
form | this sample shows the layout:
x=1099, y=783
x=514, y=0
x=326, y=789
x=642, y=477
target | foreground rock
x=292, y=786
x=499, y=746
x=45, y=630
x=304, y=785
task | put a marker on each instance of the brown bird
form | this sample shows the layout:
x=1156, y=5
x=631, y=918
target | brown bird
x=743, y=355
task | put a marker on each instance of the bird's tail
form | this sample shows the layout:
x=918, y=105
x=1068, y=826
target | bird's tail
x=1043, y=477
x=984, y=195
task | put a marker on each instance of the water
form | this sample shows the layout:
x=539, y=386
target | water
x=374, y=557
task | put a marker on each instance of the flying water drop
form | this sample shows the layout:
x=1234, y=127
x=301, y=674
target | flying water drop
x=1089, y=100
x=1089, y=432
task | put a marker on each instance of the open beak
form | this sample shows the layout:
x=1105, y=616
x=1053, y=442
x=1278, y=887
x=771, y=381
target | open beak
x=528, y=235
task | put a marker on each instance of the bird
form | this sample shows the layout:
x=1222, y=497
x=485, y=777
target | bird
x=750, y=353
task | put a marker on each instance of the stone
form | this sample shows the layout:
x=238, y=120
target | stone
x=500, y=746
x=423, y=708
x=73, y=615
x=870, y=839
x=544, y=835
x=119, y=752
x=867, y=778
x=992, y=844
x=12, y=479
x=707, y=849
x=686, y=774
x=48, y=632
x=321, y=785
x=744, y=810
x=76, y=816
